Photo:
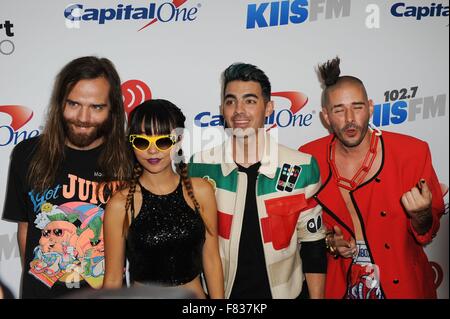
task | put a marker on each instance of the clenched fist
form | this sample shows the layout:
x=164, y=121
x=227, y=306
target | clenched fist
x=417, y=204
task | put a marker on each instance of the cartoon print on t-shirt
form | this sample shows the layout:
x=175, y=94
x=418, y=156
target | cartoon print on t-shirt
x=71, y=245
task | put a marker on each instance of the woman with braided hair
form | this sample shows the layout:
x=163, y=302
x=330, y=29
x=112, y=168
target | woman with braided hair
x=163, y=222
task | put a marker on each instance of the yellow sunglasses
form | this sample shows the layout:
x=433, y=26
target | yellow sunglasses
x=162, y=142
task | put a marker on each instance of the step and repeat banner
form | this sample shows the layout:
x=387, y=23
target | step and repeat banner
x=178, y=49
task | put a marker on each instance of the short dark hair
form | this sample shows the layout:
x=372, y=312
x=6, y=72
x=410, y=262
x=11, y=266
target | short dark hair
x=330, y=73
x=247, y=72
x=159, y=117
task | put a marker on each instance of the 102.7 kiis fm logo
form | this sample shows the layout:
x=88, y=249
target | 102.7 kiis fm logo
x=168, y=11
x=406, y=105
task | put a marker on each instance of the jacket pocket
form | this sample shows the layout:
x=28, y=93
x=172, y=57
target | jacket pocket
x=283, y=215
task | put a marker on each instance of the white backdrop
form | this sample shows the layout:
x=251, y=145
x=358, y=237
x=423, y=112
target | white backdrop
x=388, y=45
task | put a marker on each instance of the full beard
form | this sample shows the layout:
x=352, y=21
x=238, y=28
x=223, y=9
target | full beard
x=85, y=139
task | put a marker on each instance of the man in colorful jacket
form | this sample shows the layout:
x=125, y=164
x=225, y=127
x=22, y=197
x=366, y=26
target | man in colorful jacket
x=380, y=195
x=270, y=227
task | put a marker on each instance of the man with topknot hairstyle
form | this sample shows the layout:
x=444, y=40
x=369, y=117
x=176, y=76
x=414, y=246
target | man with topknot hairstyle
x=381, y=198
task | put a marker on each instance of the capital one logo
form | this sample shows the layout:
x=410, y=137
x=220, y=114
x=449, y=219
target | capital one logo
x=165, y=12
x=134, y=92
x=288, y=116
x=285, y=116
x=401, y=10
x=12, y=132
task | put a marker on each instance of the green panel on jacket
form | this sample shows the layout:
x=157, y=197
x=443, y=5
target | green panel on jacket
x=214, y=172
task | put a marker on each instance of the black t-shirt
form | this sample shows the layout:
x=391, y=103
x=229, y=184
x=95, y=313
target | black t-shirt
x=251, y=281
x=64, y=247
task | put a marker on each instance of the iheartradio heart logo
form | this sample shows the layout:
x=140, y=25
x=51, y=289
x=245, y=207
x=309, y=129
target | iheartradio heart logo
x=134, y=92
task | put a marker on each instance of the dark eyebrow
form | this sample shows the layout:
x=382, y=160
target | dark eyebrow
x=250, y=95
x=72, y=101
x=246, y=96
x=353, y=103
x=96, y=105
x=229, y=96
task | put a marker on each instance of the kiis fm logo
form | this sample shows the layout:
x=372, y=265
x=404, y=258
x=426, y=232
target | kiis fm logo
x=403, y=106
x=165, y=12
x=20, y=115
x=278, y=13
x=283, y=117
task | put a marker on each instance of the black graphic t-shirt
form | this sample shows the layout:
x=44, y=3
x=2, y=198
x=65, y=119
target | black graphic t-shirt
x=64, y=247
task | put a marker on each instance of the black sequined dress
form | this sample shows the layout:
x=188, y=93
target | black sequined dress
x=165, y=240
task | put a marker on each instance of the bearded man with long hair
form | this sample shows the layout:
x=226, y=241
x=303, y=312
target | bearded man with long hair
x=60, y=181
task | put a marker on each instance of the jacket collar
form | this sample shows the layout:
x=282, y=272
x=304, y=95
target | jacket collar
x=269, y=161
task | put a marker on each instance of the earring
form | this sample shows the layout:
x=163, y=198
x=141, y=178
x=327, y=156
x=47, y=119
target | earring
x=180, y=152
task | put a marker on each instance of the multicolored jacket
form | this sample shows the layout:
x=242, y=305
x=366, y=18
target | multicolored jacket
x=288, y=214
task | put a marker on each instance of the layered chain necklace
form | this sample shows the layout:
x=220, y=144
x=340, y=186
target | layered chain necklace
x=360, y=175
